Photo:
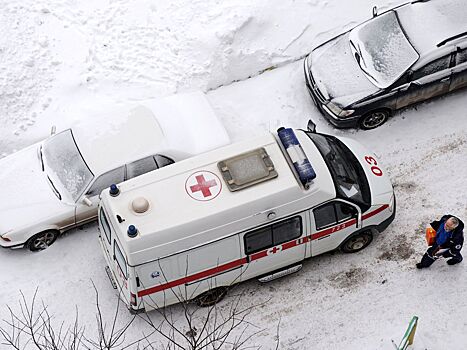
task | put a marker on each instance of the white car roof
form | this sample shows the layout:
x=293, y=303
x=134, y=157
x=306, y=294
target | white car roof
x=178, y=126
x=176, y=220
x=426, y=24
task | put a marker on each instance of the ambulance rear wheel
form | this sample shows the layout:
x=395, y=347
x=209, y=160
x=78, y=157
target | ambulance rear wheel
x=357, y=242
x=211, y=297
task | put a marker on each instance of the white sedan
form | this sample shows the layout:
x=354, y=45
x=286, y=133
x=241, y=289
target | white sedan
x=54, y=185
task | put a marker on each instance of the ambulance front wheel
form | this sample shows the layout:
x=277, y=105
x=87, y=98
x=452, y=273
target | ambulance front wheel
x=211, y=297
x=357, y=242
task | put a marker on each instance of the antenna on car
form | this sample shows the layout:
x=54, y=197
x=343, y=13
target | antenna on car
x=375, y=11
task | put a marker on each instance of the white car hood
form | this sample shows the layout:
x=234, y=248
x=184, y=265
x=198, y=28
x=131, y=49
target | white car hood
x=26, y=198
x=337, y=74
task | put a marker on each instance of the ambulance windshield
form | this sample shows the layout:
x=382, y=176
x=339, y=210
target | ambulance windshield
x=348, y=175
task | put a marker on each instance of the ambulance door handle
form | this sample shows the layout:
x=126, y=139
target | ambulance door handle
x=137, y=281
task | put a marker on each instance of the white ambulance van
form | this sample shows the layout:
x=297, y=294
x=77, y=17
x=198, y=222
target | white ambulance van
x=254, y=209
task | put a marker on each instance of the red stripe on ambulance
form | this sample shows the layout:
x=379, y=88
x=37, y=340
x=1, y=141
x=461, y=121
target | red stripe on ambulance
x=264, y=253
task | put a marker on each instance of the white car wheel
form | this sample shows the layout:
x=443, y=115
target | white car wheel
x=42, y=240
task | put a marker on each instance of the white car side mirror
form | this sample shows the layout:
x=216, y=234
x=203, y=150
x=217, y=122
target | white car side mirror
x=53, y=129
x=87, y=201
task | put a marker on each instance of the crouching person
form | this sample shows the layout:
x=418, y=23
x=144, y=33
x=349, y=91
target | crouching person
x=448, y=244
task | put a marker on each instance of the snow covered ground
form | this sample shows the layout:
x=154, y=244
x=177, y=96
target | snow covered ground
x=63, y=61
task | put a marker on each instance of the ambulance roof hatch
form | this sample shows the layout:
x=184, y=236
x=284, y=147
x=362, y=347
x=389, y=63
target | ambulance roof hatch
x=247, y=169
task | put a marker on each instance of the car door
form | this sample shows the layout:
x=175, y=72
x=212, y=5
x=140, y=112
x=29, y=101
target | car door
x=332, y=223
x=459, y=71
x=429, y=81
x=274, y=246
x=84, y=212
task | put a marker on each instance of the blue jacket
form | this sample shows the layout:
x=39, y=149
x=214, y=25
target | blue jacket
x=456, y=239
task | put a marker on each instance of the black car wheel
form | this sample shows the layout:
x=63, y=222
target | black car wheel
x=374, y=119
x=357, y=242
x=42, y=240
x=211, y=297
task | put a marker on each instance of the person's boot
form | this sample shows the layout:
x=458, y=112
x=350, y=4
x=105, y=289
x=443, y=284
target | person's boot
x=452, y=262
x=420, y=266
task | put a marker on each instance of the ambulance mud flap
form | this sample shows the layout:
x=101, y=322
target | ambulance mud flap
x=109, y=273
x=280, y=273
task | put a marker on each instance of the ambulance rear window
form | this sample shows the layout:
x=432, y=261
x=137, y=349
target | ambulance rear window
x=247, y=169
x=105, y=225
x=120, y=259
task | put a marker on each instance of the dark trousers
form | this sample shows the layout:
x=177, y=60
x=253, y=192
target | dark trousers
x=428, y=258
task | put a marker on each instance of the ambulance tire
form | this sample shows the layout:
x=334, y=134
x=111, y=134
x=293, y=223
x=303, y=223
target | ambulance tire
x=41, y=240
x=211, y=297
x=357, y=242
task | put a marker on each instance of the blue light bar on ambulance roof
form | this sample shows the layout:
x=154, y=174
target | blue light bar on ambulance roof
x=302, y=165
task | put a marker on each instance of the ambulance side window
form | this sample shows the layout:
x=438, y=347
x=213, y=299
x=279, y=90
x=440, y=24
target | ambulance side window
x=333, y=213
x=287, y=230
x=120, y=259
x=258, y=240
x=273, y=235
x=325, y=216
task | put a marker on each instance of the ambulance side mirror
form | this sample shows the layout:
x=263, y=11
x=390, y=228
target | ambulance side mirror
x=53, y=130
x=311, y=126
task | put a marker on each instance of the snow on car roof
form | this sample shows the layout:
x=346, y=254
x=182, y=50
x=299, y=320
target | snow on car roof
x=177, y=126
x=428, y=23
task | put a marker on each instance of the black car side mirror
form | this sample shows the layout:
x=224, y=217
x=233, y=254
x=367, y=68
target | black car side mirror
x=375, y=11
x=311, y=126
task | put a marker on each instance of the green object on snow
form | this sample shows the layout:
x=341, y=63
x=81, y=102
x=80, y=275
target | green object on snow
x=409, y=334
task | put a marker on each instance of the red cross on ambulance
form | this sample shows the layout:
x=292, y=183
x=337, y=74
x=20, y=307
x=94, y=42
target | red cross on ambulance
x=203, y=185
x=274, y=250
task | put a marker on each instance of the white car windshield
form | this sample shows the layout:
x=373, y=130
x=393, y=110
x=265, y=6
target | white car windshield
x=382, y=50
x=64, y=162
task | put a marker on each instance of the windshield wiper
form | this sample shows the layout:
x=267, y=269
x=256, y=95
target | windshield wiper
x=42, y=160
x=55, y=189
x=359, y=59
x=358, y=54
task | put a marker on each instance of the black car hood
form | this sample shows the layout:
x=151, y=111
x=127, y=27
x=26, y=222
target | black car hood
x=337, y=74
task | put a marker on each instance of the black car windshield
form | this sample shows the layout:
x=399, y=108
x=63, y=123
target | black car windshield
x=64, y=162
x=347, y=173
x=382, y=50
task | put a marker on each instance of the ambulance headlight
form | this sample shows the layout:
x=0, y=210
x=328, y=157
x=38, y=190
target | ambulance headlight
x=391, y=203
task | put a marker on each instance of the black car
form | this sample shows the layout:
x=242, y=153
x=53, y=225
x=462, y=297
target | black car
x=405, y=55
